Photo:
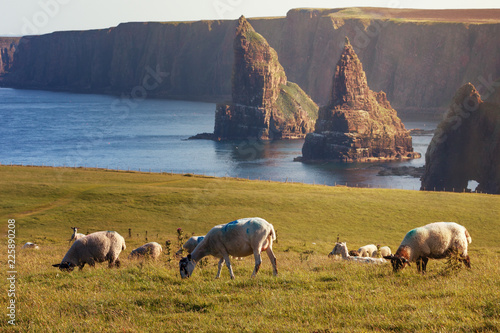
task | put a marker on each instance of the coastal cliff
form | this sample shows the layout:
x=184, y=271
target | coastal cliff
x=466, y=145
x=357, y=125
x=419, y=58
x=264, y=104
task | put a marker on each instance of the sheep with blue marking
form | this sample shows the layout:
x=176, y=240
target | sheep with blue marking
x=436, y=240
x=239, y=238
x=97, y=247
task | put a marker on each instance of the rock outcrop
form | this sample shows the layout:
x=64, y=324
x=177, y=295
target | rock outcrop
x=466, y=145
x=264, y=104
x=399, y=49
x=357, y=124
x=8, y=46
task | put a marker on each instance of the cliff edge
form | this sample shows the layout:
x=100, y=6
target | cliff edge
x=357, y=124
x=466, y=145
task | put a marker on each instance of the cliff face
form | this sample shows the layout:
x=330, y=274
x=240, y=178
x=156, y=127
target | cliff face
x=357, y=124
x=8, y=46
x=411, y=55
x=264, y=104
x=466, y=145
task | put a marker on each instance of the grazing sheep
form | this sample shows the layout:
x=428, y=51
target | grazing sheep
x=192, y=243
x=382, y=252
x=151, y=250
x=76, y=235
x=367, y=250
x=239, y=238
x=30, y=245
x=435, y=240
x=341, y=249
x=96, y=247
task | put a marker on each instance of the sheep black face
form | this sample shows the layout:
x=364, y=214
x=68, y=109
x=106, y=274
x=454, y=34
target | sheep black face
x=397, y=262
x=65, y=266
x=186, y=266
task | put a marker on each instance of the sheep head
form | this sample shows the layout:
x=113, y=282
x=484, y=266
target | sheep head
x=186, y=266
x=397, y=262
x=65, y=266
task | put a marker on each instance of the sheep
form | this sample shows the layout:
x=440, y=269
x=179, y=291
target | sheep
x=435, y=240
x=151, y=250
x=76, y=235
x=96, y=247
x=191, y=244
x=239, y=238
x=341, y=248
x=382, y=252
x=367, y=250
x=30, y=245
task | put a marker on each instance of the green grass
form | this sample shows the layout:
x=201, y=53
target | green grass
x=312, y=293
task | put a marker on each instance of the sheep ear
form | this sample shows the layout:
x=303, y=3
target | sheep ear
x=189, y=256
x=389, y=257
x=56, y=265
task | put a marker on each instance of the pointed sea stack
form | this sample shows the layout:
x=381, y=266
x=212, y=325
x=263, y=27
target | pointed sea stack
x=466, y=145
x=357, y=125
x=264, y=104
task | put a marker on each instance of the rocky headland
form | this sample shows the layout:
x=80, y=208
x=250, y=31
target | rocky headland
x=466, y=145
x=265, y=105
x=357, y=125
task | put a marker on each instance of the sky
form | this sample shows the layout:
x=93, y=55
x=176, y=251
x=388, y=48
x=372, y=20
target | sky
x=32, y=17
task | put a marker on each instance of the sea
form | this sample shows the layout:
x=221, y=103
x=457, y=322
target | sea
x=60, y=129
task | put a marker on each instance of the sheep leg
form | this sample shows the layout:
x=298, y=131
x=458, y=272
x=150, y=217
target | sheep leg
x=221, y=261
x=258, y=262
x=228, y=264
x=272, y=257
x=419, y=264
x=424, y=264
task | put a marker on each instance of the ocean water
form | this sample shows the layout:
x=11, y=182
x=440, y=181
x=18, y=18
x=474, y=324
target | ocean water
x=81, y=130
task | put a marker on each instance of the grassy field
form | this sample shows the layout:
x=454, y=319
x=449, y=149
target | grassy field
x=313, y=293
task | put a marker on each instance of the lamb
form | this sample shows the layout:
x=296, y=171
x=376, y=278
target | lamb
x=151, y=250
x=76, y=235
x=97, y=247
x=30, y=245
x=382, y=252
x=435, y=240
x=239, y=238
x=341, y=248
x=367, y=250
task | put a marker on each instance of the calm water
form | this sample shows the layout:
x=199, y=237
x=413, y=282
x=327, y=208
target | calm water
x=64, y=129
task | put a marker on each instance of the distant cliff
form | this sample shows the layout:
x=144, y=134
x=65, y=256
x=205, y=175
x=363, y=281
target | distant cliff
x=8, y=46
x=419, y=58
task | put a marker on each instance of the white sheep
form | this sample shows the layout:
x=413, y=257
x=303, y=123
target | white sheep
x=367, y=250
x=30, y=245
x=76, y=235
x=435, y=240
x=151, y=250
x=239, y=238
x=382, y=252
x=97, y=247
x=192, y=243
x=340, y=248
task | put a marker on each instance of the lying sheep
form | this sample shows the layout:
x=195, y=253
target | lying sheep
x=367, y=250
x=382, y=252
x=97, y=247
x=151, y=250
x=341, y=249
x=76, y=235
x=30, y=245
x=239, y=238
x=435, y=240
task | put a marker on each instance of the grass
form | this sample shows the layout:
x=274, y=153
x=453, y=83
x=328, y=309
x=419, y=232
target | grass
x=312, y=293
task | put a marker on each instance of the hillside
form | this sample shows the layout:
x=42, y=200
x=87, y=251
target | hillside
x=419, y=58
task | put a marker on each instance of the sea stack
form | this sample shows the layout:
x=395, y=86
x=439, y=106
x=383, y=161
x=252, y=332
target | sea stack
x=357, y=125
x=264, y=104
x=466, y=145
